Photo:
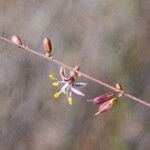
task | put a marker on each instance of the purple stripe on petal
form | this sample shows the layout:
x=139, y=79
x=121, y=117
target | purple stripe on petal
x=79, y=85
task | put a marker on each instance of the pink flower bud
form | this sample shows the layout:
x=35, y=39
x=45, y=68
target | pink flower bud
x=16, y=40
x=103, y=98
x=47, y=45
x=106, y=106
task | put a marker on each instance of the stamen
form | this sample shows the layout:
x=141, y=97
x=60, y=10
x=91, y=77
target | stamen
x=114, y=100
x=70, y=100
x=55, y=84
x=52, y=77
x=56, y=95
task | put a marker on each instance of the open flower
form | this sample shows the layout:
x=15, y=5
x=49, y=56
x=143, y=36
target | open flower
x=67, y=83
x=107, y=100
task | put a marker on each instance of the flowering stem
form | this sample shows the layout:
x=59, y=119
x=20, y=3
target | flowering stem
x=83, y=74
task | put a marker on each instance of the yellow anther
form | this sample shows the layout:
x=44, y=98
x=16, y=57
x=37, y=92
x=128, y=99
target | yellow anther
x=55, y=84
x=56, y=95
x=52, y=77
x=113, y=100
x=70, y=100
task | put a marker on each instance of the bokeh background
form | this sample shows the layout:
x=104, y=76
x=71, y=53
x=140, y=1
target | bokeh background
x=109, y=39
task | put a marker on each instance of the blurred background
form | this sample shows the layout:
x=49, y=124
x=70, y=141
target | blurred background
x=109, y=39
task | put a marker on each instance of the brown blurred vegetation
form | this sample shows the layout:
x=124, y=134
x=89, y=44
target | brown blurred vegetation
x=109, y=39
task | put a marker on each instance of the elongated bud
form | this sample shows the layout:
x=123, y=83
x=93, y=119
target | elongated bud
x=103, y=98
x=16, y=40
x=47, y=46
x=106, y=106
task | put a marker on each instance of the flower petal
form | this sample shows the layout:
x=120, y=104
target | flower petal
x=76, y=91
x=62, y=73
x=64, y=87
x=68, y=79
x=79, y=85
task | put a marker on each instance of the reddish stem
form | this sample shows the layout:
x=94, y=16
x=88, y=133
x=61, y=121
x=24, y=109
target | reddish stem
x=83, y=74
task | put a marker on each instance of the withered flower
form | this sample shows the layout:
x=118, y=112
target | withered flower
x=106, y=106
x=103, y=98
x=47, y=46
x=107, y=100
x=68, y=83
x=16, y=40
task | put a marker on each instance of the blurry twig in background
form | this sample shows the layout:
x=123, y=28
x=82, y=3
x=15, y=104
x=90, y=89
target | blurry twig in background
x=20, y=45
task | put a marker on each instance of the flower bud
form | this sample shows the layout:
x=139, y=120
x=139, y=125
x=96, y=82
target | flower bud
x=47, y=45
x=16, y=40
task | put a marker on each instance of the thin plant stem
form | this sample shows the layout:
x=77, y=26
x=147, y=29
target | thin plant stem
x=81, y=73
